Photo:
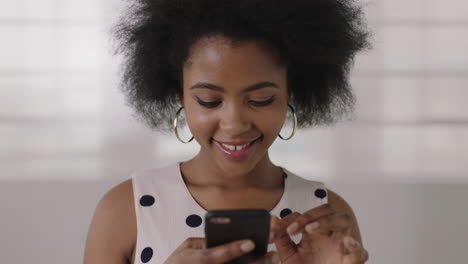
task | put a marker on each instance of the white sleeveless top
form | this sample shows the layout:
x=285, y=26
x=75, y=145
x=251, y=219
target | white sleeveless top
x=167, y=214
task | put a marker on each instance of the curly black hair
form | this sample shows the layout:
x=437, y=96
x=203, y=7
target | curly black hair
x=315, y=39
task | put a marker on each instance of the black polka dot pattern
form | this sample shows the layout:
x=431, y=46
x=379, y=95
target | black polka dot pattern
x=285, y=212
x=146, y=255
x=146, y=200
x=193, y=220
x=320, y=193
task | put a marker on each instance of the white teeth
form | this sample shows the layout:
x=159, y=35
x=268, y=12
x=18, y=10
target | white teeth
x=241, y=147
x=231, y=147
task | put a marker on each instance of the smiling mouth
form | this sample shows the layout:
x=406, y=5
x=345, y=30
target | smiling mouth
x=237, y=151
x=236, y=147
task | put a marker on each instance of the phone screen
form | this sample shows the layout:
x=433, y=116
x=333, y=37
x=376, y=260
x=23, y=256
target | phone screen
x=223, y=226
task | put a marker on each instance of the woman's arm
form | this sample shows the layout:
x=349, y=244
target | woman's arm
x=112, y=233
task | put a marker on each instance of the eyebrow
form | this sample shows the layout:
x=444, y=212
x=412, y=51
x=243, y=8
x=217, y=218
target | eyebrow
x=247, y=89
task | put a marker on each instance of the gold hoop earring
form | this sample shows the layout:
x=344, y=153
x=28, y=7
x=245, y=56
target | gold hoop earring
x=175, y=127
x=295, y=123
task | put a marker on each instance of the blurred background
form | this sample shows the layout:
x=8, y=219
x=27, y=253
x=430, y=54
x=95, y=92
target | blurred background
x=67, y=136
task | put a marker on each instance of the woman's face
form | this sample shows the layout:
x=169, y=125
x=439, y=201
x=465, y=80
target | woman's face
x=235, y=100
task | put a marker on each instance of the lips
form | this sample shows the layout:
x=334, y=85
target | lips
x=236, y=151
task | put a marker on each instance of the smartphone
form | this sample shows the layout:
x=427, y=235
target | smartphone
x=224, y=226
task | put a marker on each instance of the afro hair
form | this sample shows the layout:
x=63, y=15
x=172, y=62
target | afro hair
x=316, y=39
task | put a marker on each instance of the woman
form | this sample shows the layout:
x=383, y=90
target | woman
x=236, y=69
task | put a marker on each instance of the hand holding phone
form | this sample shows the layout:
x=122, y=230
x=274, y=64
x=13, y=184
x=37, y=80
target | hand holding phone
x=225, y=226
x=193, y=250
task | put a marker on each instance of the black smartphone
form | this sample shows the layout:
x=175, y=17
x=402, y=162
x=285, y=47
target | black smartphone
x=224, y=226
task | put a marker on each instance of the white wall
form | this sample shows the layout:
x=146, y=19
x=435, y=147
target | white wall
x=67, y=136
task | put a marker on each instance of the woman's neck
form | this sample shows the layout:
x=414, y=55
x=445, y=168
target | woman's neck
x=202, y=171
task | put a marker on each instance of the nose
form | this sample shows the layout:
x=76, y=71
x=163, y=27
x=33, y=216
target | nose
x=234, y=120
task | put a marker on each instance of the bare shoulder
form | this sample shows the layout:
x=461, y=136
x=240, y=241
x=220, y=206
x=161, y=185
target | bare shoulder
x=112, y=232
x=341, y=206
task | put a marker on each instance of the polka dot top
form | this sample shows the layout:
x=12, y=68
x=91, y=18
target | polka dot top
x=167, y=214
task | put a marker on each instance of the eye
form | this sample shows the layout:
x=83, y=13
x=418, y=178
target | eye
x=211, y=104
x=262, y=103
